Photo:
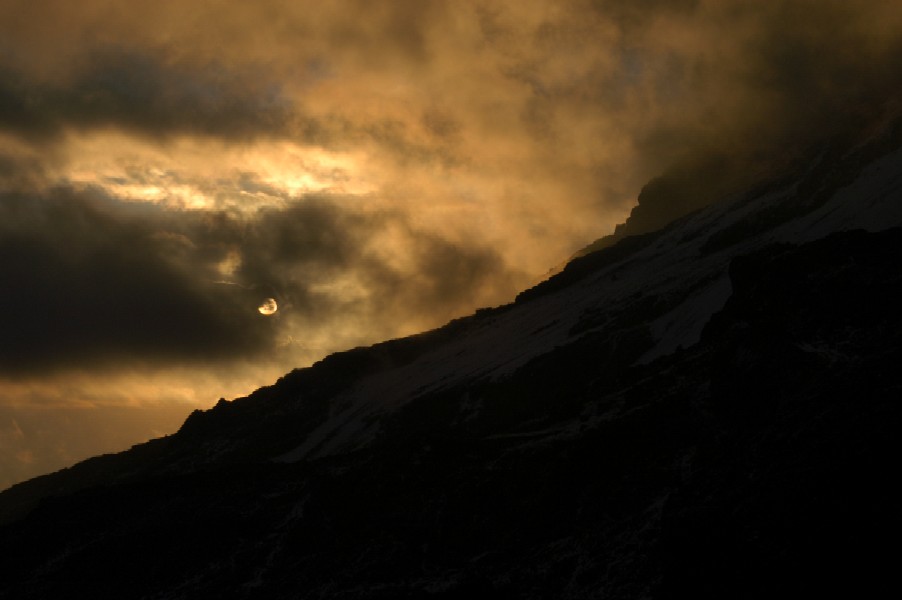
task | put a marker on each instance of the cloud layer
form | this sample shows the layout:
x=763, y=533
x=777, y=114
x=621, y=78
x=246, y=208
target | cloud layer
x=377, y=167
x=92, y=282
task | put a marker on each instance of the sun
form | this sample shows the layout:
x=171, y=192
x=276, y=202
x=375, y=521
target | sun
x=268, y=307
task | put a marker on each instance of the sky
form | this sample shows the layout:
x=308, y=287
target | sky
x=377, y=167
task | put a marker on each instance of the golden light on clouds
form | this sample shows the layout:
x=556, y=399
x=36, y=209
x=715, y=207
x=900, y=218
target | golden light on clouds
x=196, y=174
x=378, y=167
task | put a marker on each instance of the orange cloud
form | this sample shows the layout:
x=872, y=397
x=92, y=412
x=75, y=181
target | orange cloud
x=378, y=168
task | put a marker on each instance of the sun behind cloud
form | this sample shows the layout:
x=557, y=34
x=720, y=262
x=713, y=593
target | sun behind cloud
x=268, y=307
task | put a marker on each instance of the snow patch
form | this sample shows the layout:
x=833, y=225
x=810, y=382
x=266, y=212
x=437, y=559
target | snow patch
x=682, y=327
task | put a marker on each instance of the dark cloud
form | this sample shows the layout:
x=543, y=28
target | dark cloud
x=20, y=172
x=726, y=92
x=144, y=92
x=633, y=14
x=83, y=286
x=821, y=68
x=447, y=276
x=798, y=73
x=401, y=276
x=91, y=282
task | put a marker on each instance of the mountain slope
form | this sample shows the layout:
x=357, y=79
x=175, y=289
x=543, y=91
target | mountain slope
x=706, y=409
